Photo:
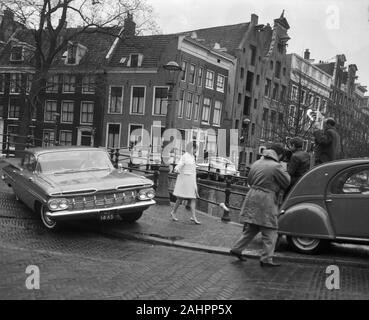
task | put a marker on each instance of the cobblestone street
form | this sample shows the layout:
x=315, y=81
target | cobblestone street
x=81, y=265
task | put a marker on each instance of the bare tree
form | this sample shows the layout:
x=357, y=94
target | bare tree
x=46, y=21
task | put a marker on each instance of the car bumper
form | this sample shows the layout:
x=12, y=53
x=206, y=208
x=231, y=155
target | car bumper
x=88, y=213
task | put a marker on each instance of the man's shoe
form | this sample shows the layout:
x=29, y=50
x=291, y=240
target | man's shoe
x=269, y=264
x=238, y=255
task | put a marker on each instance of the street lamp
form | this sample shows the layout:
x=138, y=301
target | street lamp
x=172, y=71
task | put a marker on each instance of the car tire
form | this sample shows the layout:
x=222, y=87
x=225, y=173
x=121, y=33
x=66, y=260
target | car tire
x=306, y=245
x=46, y=221
x=131, y=216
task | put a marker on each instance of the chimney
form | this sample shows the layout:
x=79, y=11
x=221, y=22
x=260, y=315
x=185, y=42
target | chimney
x=129, y=26
x=254, y=19
x=307, y=54
x=8, y=15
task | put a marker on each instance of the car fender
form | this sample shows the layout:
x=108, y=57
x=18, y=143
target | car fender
x=306, y=220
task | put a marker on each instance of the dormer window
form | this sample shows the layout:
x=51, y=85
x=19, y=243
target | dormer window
x=16, y=53
x=135, y=60
x=74, y=54
x=71, y=53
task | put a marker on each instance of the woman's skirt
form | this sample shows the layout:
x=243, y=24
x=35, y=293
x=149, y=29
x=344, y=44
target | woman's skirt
x=185, y=187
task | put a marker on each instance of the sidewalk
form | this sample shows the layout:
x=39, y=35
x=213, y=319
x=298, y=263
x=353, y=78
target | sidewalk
x=213, y=235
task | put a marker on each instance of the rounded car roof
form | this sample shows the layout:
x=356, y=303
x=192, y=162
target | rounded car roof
x=315, y=180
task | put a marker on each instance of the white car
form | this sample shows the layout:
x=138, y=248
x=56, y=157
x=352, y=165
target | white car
x=219, y=165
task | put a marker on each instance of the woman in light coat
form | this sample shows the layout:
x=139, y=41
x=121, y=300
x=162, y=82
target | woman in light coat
x=186, y=187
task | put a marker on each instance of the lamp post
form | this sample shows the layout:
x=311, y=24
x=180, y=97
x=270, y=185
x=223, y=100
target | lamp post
x=245, y=139
x=172, y=71
x=56, y=119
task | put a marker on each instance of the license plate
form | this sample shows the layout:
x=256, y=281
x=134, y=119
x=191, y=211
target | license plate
x=106, y=216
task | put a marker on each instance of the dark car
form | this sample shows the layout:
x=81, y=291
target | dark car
x=62, y=183
x=329, y=203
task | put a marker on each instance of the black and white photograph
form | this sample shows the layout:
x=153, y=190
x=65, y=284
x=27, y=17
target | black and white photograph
x=184, y=155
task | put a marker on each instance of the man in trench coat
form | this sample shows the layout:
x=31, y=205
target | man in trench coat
x=267, y=179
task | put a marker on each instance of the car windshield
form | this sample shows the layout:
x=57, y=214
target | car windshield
x=73, y=161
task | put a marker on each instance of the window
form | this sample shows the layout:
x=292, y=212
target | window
x=206, y=111
x=192, y=74
x=246, y=106
x=209, y=80
x=52, y=83
x=50, y=111
x=220, y=83
x=88, y=84
x=65, y=138
x=48, y=137
x=115, y=100
x=283, y=93
x=317, y=103
x=294, y=93
x=135, y=133
x=29, y=82
x=16, y=53
x=69, y=83
x=113, y=136
x=310, y=100
x=252, y=55
x=264, y=129
x=135, y=60
x=257, y=79
x=267, y=88
x=302, y=96
x=273, y=122
x=271, y=64
x=200, y=75
x=249, y=81
x=138, y=100
x=291, y=116
x=284, y=71
x=160, y=101
x=180, y=104
x=71, y=53
x=355, y=181
x=2, y=82
x=253, y=129
x=67, y=111
x=184, y=70
x=242, y=73
x=277, y=70
x=189, y=105
x=217, y=113
x=275, y=91
x=323, y=107
x=197, y=108
x=12, y=131
x=87, y=112
x=14, y=109
x=255, y=103
x=15, y=83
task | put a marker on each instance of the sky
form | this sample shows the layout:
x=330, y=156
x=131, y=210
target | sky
x=325, y=27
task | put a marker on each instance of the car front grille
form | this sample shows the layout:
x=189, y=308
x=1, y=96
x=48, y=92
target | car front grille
x=100, y=201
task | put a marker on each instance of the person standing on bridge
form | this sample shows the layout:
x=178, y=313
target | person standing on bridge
x=186, y=187
x=267, y=179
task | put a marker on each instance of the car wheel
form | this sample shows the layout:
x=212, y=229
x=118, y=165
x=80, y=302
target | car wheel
x=46, y=221
x=306, y=245
x=132, y=216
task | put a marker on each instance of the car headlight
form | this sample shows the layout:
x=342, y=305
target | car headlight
x=58, y=204
x=146, y=194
